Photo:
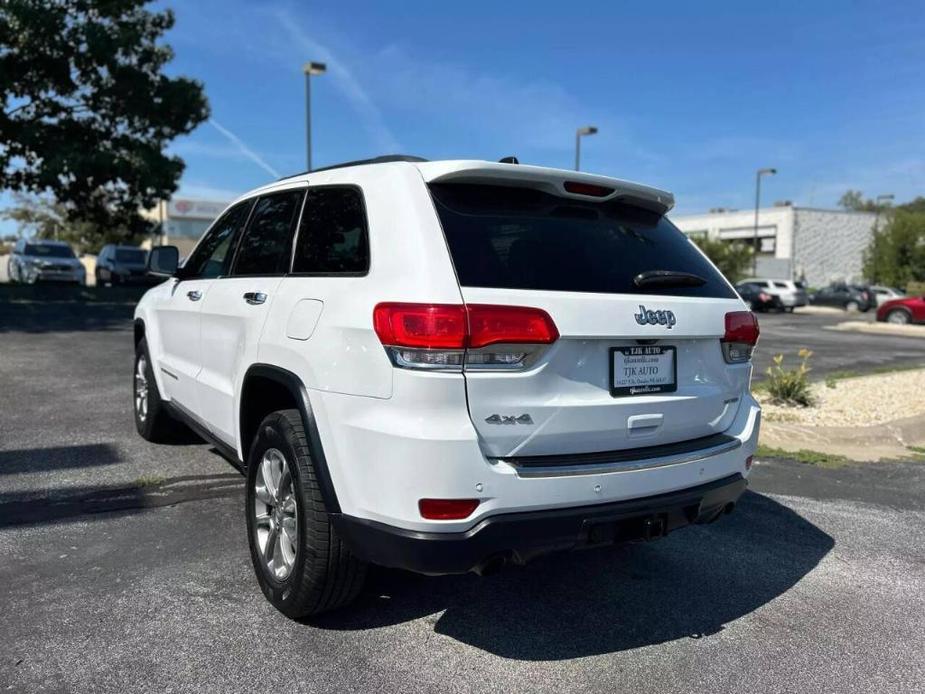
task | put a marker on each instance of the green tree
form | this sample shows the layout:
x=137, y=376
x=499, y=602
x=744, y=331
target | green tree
x=86, y=109
x=734, y=259
x=896, y=253
x=854, y=200
x=43, y=218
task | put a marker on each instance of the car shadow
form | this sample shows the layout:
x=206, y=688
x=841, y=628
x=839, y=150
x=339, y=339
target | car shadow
x=56, y=308
x=90, y=502
x=689, y=585
x=15, y=462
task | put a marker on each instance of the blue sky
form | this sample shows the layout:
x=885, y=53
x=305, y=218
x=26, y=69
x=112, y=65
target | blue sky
x=690, y=96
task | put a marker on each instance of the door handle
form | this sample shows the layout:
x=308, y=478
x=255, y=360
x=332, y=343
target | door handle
x=255, y=298
x=194, y=295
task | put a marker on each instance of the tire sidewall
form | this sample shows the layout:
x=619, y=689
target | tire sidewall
x=275, y=433
x=146, y=427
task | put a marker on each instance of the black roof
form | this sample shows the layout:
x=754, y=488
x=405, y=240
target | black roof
x=360, y=162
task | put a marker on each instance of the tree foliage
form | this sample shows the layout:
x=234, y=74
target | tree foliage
x=43, y=218
x=734, y=259
x=896, y=254
x=855, y=201
x=86, y=109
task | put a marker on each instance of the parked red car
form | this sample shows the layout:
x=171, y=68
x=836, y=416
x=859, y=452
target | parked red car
x=909, y=309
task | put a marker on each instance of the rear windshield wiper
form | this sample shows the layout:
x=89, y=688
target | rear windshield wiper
x=668, y=278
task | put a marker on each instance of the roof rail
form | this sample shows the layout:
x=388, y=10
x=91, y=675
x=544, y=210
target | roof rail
x=385, y=159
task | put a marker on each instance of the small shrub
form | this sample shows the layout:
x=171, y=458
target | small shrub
x=791, y=386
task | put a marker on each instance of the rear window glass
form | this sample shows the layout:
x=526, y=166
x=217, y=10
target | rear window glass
x=131, y=256
x=781, y=285
x=48, y=250
x=520, y=238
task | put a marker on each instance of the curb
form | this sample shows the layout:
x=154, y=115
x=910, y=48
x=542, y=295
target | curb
x=888, y=441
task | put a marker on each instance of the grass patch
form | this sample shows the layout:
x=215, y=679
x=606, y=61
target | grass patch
x=791, y=386
x=807, y=457
x=916, y=453
x=149, y=481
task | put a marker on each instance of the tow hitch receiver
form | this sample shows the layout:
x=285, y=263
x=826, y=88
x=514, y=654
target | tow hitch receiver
x=638, y=529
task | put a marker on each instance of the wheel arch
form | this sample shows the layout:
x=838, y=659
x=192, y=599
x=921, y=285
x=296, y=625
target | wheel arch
x=267, y=388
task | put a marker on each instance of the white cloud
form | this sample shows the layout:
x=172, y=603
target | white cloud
x=344, y=80
x=244, y=149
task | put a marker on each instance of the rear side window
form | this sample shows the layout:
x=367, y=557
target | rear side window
x=333, y=238
x=267, y=243
x=520, y=238
x=781, y=285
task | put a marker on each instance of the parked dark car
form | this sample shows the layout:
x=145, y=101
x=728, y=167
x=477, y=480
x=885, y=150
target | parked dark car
x=908, y=309
x=121, y=265
x=851, y=297
x=757, y=298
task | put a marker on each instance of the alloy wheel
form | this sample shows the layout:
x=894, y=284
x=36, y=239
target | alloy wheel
x=141, y=388
x=275, y=514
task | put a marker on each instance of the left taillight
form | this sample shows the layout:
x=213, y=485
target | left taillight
x=740, y=337
x=450, y=336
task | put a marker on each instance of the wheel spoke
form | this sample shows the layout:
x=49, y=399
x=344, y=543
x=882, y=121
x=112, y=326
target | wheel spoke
x=269, y=477
x=290, y=531
x=269, y=549
x=285, y=483
x=264, y=496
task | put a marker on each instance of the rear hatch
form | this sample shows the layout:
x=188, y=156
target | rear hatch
x=638, y=360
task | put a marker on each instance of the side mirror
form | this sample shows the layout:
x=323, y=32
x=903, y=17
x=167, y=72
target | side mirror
x=163, y=261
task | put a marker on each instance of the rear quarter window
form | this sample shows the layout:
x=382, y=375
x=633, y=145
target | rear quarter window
x=520, y=238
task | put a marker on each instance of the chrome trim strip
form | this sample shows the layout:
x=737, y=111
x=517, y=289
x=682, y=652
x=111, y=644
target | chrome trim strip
x=624, y=466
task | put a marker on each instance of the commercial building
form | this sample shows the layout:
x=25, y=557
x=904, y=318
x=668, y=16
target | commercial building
x=184, y=220
x=800, y=243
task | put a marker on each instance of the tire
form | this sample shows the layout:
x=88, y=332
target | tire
x=99, y=280
x=315, y=573
x=788, y=309
x=898, y=316
x=852, y=306
x=152, y=421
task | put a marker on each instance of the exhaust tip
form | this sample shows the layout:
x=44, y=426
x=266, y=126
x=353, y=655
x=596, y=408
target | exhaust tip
x=491, y=566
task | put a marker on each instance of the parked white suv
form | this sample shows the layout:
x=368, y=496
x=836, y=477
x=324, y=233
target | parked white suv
x=448, y=366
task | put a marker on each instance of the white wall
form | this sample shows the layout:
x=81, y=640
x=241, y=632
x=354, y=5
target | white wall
x=829, y=245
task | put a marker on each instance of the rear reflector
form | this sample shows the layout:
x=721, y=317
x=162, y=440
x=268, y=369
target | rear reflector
x=587, y=189
x=447, y=509
x=740, y=337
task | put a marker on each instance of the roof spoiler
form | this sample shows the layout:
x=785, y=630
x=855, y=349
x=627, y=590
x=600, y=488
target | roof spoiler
x=559, y=182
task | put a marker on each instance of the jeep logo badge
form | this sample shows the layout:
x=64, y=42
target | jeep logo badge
x=648, y=317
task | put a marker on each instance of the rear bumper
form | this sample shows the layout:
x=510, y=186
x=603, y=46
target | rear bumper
x=519, y=537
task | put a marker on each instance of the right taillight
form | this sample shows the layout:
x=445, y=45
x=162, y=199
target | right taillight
x=740, y=337
x=450, y=336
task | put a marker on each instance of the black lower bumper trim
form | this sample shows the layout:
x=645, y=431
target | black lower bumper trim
x=519, y=537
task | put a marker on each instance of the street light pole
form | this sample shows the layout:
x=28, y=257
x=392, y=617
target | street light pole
x=587, y=130
x=758, y=175
x=310, y=68
x=885, y=198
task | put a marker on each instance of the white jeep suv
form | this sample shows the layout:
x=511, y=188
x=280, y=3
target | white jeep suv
x=448, y=366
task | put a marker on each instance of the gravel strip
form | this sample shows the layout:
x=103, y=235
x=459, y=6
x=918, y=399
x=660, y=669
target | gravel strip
x=861, y=401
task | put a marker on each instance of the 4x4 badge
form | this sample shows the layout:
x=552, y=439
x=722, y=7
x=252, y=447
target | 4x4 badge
x=509, y=419
x=655, y=317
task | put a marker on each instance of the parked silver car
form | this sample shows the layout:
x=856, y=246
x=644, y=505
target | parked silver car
x=45, y=261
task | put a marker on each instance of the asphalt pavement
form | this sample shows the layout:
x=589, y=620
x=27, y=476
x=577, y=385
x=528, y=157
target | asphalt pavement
x=125, y=566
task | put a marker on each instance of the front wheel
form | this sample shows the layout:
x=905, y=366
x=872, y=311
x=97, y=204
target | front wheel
x=852, y=306
x=302, y=566
x=151, y=419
